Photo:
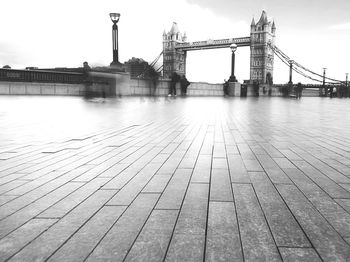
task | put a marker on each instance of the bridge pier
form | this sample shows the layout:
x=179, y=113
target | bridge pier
x=234, y=89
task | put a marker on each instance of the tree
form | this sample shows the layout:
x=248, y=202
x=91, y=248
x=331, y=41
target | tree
x=153, y=75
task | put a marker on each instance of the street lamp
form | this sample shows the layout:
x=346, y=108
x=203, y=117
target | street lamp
x=290, y=71
x=115, y=18
x=346, y=85
x=233, y=48
x=324, y=82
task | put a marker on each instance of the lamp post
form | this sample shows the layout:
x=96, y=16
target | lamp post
x=290, y=71
x=232, y=78
x=324, y=82
x=115, y=18
x=346, y=84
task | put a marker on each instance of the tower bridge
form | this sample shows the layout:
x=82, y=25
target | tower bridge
x=260, y=41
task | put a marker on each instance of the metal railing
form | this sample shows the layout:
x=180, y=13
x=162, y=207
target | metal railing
x=43, y=76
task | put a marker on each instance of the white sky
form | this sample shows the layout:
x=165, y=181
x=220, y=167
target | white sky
x=65, y=33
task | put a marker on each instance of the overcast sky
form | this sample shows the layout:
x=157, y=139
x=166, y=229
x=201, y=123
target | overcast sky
x=58, y=33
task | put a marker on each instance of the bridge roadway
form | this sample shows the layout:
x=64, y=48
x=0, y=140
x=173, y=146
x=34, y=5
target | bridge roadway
x=194, y=179
x=211, y=44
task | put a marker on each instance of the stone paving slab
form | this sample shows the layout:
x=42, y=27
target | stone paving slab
x=257, y=241
x=80, y=245
x=223, y=239
x=283, y=226
x=185, y=179
x=153, y=241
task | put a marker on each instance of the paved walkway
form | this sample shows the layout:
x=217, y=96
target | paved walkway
x=191, y=179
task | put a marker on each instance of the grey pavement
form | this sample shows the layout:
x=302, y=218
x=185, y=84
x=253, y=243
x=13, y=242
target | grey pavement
x=174, y=179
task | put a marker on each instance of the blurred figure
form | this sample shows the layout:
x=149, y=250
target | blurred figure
x=299, y=90
x=225, y=87
x=86, y=66
x=270, y=92
x=184, y=83
x=173, y=80
x=331, y=91
x=256, y=87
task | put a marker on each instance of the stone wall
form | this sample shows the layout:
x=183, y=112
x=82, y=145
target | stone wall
x=31, y=88
x=205, y=89
x=145, y=87
x=120, y=84
x=104, y=83
x=111, y=84
x=97, y=84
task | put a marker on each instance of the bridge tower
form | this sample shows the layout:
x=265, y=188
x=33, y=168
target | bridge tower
x=261, y=55
x=174, y=60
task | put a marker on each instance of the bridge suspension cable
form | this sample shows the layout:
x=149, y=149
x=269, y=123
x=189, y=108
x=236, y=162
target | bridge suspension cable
x=160, y=69
x=152, y=65
x=156, y=59
x=298, y=67
x=284, y=60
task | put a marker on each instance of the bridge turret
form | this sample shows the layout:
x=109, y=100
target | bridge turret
x=263, y=18
x=184, y=37
x=252, y=24
x=262, y=34
x=174, y=60
x=273, y=29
